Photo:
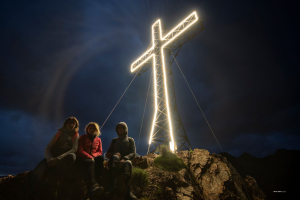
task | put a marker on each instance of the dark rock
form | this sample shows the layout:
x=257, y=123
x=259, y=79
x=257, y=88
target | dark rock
x=272, y=173
x=140, y=162
x=215, y=178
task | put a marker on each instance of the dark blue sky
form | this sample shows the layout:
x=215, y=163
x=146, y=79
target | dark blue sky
x=72, y=58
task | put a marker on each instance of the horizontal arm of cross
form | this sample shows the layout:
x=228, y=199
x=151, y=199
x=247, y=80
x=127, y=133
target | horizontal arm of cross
x=180, y=28
x=178, y=41
x=142, y=60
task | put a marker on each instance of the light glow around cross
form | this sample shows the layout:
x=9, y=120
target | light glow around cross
x=169, y=37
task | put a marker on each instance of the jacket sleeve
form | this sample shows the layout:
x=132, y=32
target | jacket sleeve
x=47, y=152
x=81, y=153
x=73, y=150
x=99, y=149
x=132, y=151
x=110, y=150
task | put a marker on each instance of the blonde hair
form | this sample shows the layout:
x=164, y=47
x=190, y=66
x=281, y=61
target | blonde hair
x=97, y=133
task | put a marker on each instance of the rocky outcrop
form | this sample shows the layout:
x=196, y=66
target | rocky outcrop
x=207, y=176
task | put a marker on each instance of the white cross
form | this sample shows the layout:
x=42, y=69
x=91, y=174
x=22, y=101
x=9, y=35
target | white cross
x=158, y=45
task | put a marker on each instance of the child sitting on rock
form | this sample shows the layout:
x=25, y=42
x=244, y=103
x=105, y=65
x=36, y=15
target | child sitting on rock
x=120, y=152
x=59, y=154
x=90, y=158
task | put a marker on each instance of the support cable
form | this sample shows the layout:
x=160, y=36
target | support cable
x=144, y=112
x=119, y=99
x=197, y=103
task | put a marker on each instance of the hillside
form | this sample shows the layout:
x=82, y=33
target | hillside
x=273, y=173
x=206, y=176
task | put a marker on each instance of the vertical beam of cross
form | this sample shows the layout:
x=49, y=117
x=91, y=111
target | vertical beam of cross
x=162, y=123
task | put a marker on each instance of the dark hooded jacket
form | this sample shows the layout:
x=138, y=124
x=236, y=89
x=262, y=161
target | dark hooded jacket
x=124, y=145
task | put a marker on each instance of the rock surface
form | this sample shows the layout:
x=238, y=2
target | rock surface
x=207, y=176
x=276, y=174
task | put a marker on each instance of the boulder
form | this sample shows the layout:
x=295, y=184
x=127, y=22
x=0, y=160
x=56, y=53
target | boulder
x=144, y=161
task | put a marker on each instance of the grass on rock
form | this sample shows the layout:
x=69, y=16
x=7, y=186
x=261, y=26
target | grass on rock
x=168, y=161
x=140, y=178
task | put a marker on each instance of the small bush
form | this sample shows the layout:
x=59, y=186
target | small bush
x=157, y=150
x=169, y=161
x=164, y=150
x=191, y=151
x=140, y=178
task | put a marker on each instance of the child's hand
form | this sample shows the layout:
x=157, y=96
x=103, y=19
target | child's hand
x=118, y=154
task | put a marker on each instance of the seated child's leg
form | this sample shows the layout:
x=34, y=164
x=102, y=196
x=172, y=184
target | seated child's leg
x=34, y=177
x=127, y=168
x=128, y=171
x=39, y=170
x=115, y=160
x=65, y=163
x=90, y=167
x=113, y=170
x=99, y=160
x=98, y=166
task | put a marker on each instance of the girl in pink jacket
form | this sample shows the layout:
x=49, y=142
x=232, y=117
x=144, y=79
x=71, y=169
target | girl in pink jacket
x=89, y=156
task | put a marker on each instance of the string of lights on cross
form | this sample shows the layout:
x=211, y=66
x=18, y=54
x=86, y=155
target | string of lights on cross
x=162, y=130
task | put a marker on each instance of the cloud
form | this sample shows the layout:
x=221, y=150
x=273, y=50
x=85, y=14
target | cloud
x=23, y=140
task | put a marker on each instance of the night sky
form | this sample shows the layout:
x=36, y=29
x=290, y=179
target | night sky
x=72, y=58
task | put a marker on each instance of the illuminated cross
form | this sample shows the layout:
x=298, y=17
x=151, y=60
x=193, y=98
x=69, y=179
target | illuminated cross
x=162, y=120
